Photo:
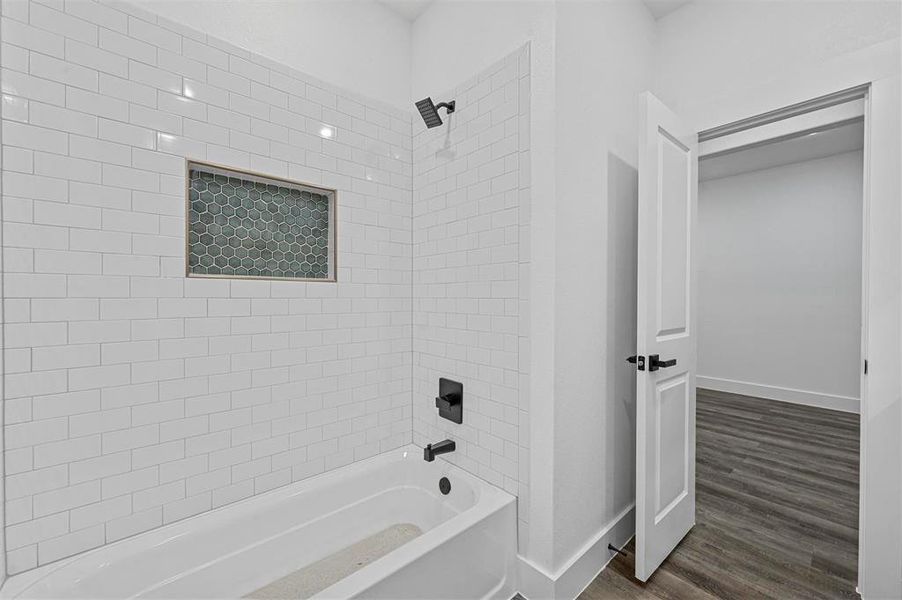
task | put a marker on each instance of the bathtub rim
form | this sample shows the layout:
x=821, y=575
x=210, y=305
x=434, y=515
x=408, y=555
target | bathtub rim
x=488, y=497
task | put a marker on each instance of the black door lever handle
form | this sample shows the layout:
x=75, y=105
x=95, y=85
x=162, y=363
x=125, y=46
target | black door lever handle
x=655, y=363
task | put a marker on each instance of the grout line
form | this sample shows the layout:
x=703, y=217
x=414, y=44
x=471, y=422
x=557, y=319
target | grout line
x=412, y=285
x=4, y=572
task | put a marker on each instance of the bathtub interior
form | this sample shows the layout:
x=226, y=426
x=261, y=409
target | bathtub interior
x=308, y=581
x=242, y=547
x=264, y=561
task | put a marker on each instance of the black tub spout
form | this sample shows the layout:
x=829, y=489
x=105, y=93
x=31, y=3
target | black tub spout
x=433, y=450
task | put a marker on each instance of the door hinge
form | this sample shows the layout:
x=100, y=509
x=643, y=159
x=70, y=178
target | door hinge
x=865, y=366
x=638, y=360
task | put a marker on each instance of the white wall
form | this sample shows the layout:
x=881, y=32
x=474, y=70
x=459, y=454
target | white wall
x=604, y=58
x=134, y=396
x=455, y=39
x=358, y=45
x=710, y=49
x=780, y=282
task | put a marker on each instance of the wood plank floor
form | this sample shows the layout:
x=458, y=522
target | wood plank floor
x=777, y=508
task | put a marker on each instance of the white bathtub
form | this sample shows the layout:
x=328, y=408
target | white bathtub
x=467, y=549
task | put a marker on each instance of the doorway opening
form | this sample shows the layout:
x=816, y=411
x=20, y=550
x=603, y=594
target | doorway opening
x=780, y=352
x=770, y=454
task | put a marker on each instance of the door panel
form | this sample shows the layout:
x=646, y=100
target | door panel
x=673, y=247
x=665, y=406
x=671, y=431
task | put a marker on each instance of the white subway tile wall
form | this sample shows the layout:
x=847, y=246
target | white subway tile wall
x=135, y=397
x=471, y=212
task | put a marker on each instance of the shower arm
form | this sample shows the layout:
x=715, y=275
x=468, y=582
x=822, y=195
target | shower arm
x=446, y=105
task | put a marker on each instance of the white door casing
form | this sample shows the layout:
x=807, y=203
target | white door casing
x=665, y=440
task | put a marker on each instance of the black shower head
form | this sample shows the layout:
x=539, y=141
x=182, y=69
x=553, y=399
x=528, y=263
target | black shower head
x=429, y=111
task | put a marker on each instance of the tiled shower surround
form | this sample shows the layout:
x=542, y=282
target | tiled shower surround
x=470, y=260
x=134, y=396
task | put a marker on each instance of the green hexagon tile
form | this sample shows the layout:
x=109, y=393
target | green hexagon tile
x=243, y=228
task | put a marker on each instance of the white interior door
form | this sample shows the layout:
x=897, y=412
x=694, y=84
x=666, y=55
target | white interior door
x=665, y=440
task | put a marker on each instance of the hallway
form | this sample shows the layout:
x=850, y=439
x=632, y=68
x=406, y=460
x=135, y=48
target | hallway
x=777, y=502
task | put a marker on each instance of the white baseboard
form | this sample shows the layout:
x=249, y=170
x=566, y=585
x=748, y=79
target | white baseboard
x=887, y=594
x=772, y=392
x=535, y=583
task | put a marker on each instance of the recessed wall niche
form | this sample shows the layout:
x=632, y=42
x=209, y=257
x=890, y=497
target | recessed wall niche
x=246, y=225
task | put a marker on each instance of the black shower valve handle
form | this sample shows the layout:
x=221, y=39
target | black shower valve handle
x=444, y=402
x=449, y=401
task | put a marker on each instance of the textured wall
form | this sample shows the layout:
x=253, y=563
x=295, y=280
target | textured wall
x=135, y=397
x=470, y=256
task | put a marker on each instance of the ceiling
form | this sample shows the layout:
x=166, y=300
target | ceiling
x=807, y=146
x=661, y=8
x=407, y=9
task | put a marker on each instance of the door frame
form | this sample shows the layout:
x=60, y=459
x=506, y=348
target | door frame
x=880, y=477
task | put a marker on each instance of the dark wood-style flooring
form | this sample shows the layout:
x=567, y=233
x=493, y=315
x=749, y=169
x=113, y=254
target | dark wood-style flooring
x=777, y=508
